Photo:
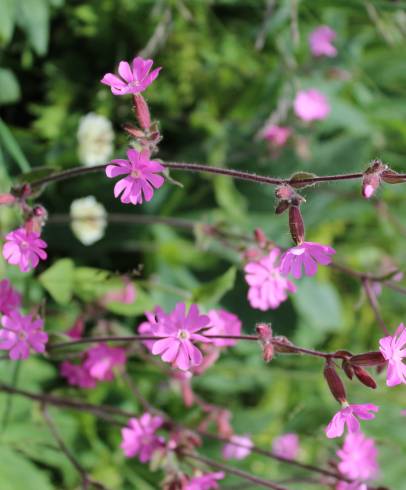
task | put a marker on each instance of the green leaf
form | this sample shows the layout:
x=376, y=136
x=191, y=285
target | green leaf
x=19, y=473
x=33, y=17
x=90, y=283
x=297, y=177
x=10, y=88
x=58, y=280
x=11, y=145
x=7, y=19
x=211, y=292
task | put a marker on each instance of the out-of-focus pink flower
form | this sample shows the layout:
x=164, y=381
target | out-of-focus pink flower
x=151, y=326
x=358, y=457
x=342, y=485
x=24, y=249
x=377, y=286
x=239, y=447
x=347, y=415
x=7, y=199
x=311, y=105
x=20, y=333
x=75, y=332
x=134, y=79
x=101, y=361
x=205, y=482
x=10, y=299
x=141, y=178
x=77, y=375
x=276, y=135
x=180, y=330
x=286, y=445
x=306, y=255
x=223, y=323
x=320, y=41
x=140, y=438
x=393, y=350
x=268, y=288
x=126, y=294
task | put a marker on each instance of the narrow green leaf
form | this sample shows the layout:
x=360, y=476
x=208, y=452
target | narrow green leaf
x=11, y=145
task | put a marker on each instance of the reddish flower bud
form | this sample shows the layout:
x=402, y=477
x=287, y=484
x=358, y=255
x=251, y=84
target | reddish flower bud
x=334, y=382
x=285, y=192
x=133, y=131
x=391, y=177
x=264, y=331
x=223, y=424
x=364, y=377
x=368, y=359
x=283, y=345
x=7, y=199
x=142, y=111
x=281, y=207
x=260, y=237
x=348, y=369
x=372, y=178
x=296, y=225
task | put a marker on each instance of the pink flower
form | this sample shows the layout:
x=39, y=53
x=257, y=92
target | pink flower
x=102, y=360
x=308, y=255
x=393, y=350
x=24, y=249
x=320, y=42
x=347, y=415
x=76, y=331
x=136, y=78
x=139, y=438
x=286, y=446
x=179, y=330
x=205, y=482
x=150, y=326
x=239, y=447
x=141, y=177
x=10, y=299
x=276, y=135
x=223, y=323
x=342, y=485
x=77, y=375
x=125, y=294
x=268, y=288
x=20, y=333
x=358, y=457
x=311, y=105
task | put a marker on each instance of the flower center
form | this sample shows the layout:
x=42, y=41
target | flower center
x=135, y=174
x=183, y=335
x=22, y=335
x=134, y=83
x=24, y=245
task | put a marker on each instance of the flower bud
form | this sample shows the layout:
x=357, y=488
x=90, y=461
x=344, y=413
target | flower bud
x=334, y=382
x=133, y=131
x=296, y=225
x=142, y=111
x=368, y=359
x=260, y=237
x=364, y=377
x=391, y=177
x=283, y=345
x=281, y=207
x=264, y=331
x=372, y=178
x=348, y=369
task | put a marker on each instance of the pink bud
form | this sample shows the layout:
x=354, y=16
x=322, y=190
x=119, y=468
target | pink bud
x=334, y=382
x=260, y=237
x=142, y=111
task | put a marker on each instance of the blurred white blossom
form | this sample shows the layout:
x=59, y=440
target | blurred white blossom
x=88, y=220
x=95, y=136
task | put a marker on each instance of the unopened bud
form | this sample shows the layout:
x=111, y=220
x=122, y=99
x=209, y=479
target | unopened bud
x=142, y=111
x=296, y=225
x=391, y=177
x=348, y=369
x=334, y=382
x=283, y=345
x=368, y=359
x=364, y=377
x=281, y=207
x=260, y=237
x=133, y=131
x=372, y=178
x=264, y=331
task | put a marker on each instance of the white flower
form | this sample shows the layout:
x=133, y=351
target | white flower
x=95, y=136
x=88, y=220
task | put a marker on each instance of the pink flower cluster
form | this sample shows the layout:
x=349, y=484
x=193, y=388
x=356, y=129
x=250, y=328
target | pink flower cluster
x=100, y=363
x=179, y=330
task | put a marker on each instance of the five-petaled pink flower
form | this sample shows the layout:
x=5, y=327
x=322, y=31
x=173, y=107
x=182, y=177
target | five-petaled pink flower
x=77, y=375
x=24, y=249
x=358, y=457
x=102, y=360
x=10, y=299
x=320, y=41
x=180, y=330
x=20, y=333
x=141, y=177
x=311, y=105
x=140, y=438
x=393, y=349
x=205, y=482
x=307, y=255
x=223, y=323
x=268, y=288
x=135, y=78
x=276, y=135
x=286, y=445
x=347, y=415
x=239, y=447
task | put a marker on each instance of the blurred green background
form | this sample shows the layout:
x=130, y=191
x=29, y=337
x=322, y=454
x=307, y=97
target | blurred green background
x=227, y=66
